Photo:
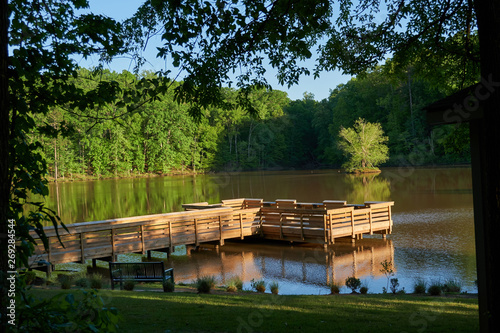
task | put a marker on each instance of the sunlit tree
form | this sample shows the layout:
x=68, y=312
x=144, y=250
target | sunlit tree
x=364, y=144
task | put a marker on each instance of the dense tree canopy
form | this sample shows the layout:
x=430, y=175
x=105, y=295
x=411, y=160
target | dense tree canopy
x=161, y=137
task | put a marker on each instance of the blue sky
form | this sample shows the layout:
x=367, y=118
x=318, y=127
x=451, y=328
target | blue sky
x=121, y=9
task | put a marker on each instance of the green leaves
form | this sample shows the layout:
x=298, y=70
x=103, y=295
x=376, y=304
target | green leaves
x=209, y=40
x=83, y=311
x=364, y=144
x=368, y=31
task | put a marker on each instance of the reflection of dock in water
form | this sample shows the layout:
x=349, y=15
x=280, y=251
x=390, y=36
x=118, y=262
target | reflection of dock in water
x=212, y=262
x=276, y=261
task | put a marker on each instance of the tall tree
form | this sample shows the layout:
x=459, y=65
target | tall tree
x=364, y=144
x=35, y=76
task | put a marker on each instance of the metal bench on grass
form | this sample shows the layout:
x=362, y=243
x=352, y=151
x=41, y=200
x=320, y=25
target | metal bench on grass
x=139, y=271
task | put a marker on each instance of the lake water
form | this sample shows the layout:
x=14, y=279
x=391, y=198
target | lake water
x=432, y=239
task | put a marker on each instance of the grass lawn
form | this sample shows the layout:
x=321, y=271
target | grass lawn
x=151, y=310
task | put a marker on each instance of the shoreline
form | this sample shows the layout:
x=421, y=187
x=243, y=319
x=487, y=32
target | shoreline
x=83, y=178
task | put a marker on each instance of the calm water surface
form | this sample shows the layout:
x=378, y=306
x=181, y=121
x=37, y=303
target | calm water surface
x=433, y=235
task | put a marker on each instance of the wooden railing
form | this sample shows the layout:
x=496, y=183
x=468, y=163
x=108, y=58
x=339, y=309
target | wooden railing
x=106, y=239
x=323, y=225
x=201, y=223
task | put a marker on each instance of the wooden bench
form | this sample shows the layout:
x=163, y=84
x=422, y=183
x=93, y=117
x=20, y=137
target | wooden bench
x=139, y=271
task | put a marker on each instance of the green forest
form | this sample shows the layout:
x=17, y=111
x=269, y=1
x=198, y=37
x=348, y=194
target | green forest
x=159, y=136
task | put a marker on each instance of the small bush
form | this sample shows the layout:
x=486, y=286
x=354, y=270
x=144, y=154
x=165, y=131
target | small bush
x=236, y=282
x=65, y=281
x=259, y=285
x=205, y=284
x=274, y=287
x=231, y=288
x=363, y=290
x=452, y=286
x=95, y=281
x=168, y=286
x=394, y=285
x=353, y=283
x=419, y=286
x=82, y=282
x=435, y=289
x=129, y=284
x=334, y=288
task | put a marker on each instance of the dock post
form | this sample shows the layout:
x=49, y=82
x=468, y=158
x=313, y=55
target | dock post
x=82, y=248
x=142, y=239
x=221, y=238
x=113, y=255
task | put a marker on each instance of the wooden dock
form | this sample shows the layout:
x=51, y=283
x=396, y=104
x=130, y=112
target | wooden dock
x=204, y=223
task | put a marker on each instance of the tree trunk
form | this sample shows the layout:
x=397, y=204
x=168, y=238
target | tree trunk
x=55, y=159
x=486, y=167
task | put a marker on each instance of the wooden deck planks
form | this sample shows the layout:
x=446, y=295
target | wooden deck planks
x=235, y=218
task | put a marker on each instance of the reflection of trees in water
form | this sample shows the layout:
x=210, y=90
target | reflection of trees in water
x=309, y=265
x=115, y=198
x=367, y=187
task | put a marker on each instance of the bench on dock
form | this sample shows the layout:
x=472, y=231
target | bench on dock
x=139, y=271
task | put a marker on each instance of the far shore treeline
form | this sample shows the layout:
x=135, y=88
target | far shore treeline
x=160, y=137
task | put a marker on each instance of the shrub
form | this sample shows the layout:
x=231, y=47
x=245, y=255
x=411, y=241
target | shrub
x=435, y=289
x=363, y=290
x=82, y=282
x=231, y=288
x=129, y=284
x=235, y=282
x=259, y=285
x=334, y=288
x=65, y=280
x=388, y=272
x=274, y=287
x=353, y=283
x=204, y=284
x=168, y=286
x=394, y=285
x=419, y=286
x=452, y=286
x=95, y=281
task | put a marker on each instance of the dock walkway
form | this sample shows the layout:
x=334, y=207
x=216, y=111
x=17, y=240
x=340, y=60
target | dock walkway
x=285, y=220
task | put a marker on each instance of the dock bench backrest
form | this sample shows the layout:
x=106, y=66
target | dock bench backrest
x=143, y=270
x=139, y=271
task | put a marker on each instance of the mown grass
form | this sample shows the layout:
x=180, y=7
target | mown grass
x=153, y=311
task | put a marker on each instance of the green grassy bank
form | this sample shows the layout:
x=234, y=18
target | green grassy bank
x=156, y=311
